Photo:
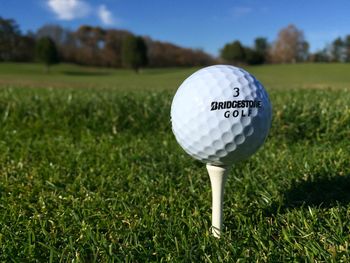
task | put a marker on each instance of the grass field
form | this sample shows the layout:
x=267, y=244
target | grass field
x=90, y=170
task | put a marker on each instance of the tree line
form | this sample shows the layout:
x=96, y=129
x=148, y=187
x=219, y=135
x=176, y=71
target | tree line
x=96, y=46
x=93, y=46
x=289, y=47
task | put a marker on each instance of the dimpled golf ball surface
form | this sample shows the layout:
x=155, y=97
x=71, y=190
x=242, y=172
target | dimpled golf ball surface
x=221, y=115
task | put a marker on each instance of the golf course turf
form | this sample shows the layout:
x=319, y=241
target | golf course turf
x=90, y=170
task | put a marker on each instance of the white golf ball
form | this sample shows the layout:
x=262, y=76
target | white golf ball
x=221, y=115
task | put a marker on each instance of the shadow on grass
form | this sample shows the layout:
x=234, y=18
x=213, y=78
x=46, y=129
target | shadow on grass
x=324, y=192
x=86, y=73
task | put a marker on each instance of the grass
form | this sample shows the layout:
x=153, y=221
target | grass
x=91, y=171
x=70, y=76
x=309, y=76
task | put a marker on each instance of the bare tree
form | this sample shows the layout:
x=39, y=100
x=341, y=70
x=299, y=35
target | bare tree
x=163, y=54
x=290, y=46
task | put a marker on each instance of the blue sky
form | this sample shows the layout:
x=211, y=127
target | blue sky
x=205, y=24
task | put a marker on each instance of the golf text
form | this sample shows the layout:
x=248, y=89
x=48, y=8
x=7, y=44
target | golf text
x=238, y=105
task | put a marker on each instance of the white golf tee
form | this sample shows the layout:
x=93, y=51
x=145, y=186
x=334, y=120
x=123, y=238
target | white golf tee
x=218, y=175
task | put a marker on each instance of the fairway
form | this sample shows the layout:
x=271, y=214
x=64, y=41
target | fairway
x=90, y=170
x=301, y=76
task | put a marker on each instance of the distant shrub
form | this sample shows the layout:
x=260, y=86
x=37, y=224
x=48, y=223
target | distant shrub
x=46, y=52
x=134, y=52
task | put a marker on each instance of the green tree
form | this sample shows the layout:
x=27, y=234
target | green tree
x=320, y=56
x=233, y=52
x=303, y=51
x=253, y=57
x=134, y=52
x=338, y=53
x=347, y=47
x=46, y=52
x=9, y=35
x=261, y=45
x=261, y=48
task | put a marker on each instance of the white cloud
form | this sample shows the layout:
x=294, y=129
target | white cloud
x=240, y=11
x=105, y=15
x=69, y=9
x=74, y=9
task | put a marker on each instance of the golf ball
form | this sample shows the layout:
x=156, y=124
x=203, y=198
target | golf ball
x=221, y=115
